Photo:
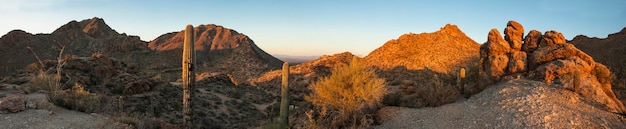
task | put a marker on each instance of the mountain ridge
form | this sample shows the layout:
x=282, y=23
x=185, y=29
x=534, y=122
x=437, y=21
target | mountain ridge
x=216, y=46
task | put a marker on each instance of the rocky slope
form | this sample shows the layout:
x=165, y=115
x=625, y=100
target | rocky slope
x=511, y=104
x=610, y=51
x=539, y=81
x=82, y=38
x=109, y=65
x=303, y=74
x=443, y=51
x=219, y=49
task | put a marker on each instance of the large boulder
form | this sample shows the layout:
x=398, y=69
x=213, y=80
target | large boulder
x=513, y=33
x=559, y=67
x=495, y=45
x=558, y=51
x=551, y=38
x=517, y=62
x=531, y=41
x=13, y=103
x=493, y=59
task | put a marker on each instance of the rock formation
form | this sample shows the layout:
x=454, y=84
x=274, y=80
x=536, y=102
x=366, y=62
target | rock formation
x=610, y=51
x=547, y=58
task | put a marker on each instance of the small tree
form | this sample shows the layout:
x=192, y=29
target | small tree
x=352, y=92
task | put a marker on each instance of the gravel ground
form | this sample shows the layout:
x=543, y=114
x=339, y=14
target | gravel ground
x=509, y=104
x=61, y=118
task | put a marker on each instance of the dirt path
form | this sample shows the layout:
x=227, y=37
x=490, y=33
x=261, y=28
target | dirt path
x=61, y=118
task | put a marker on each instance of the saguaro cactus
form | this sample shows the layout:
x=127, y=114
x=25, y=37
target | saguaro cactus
x=189, y=76
x=284, y=101
x=461, y=81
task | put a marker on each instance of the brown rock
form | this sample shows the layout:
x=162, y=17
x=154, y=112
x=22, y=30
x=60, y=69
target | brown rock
x=531, y=41
x=558, y=51
x=603, y=74
x=490, y=69
x=559, y=67
x=517, y=62
x=495, y=44
x=513, y=33
x=593, y=90
x=13, y=103
x=138, y=86
x=496, y=66
x=551, y=38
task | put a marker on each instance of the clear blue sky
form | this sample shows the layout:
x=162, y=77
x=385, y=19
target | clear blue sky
x=298, y=27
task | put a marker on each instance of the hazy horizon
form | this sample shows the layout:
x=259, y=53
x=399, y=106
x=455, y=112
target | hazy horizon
x=314, y=28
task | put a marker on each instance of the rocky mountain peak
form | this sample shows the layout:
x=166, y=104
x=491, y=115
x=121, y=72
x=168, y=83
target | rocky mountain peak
x=450, y=29
x=441, y=51
x=208, y=37
x=94, y=27
x=14, y=36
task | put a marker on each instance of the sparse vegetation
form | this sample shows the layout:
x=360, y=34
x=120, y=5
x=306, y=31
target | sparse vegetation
x=346, y=98
x=77, y=98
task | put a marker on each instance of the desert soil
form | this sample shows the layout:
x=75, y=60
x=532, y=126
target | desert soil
x=60, y=118
x=508, y=104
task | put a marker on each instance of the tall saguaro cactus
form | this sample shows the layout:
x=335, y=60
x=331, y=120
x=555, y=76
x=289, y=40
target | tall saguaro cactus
x=461, y=81
x=284, y=101
x=189, y=76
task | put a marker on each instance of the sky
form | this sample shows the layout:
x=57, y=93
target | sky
x=319, y=27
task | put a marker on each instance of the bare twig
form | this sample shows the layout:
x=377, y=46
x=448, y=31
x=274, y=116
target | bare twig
x=38, y=59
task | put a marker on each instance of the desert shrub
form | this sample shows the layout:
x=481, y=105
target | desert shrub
x=432, y=92
x=442, y=93
x=42, y=81
x=350, y=94
x=392, y=99
x=144, y=122
x=76, y=98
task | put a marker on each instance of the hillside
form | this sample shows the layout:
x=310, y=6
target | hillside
x=538, y=81
x=219, y=49
x=443, y=51
x=131, y=81
x=610, y=51
x=82, y=38
x=303, y=74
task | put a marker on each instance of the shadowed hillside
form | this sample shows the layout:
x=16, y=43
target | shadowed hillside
x=219, y=49
x=84, y=38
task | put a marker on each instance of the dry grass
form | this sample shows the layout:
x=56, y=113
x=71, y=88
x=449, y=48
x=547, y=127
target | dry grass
x=76, y=98
x=42, y=81
x=349, y=94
